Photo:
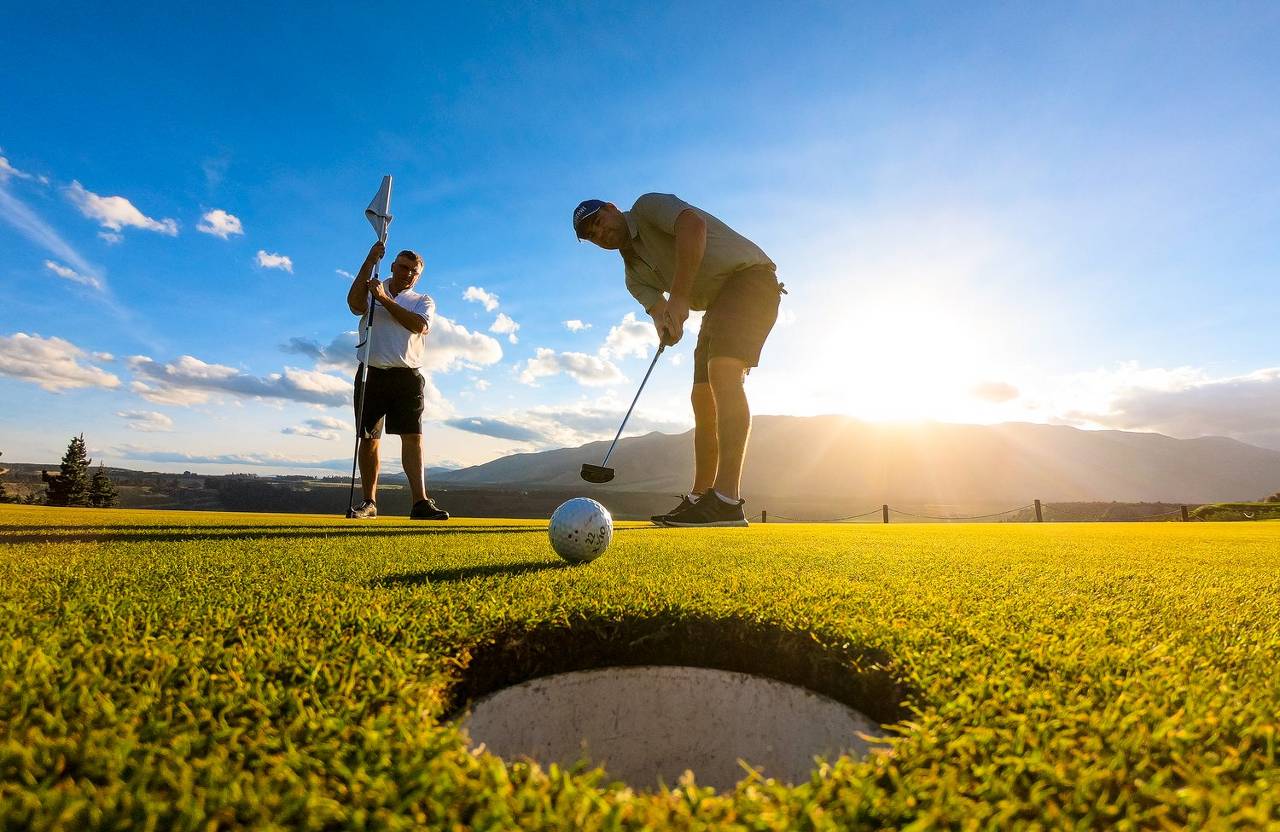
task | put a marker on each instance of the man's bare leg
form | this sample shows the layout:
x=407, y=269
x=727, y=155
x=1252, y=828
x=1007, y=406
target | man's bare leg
x=369, y=468
x=706, y=453
x=733, y=422
x=411, y=456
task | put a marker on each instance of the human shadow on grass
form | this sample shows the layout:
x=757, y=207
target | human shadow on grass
x=211, y=533
x=463, y=573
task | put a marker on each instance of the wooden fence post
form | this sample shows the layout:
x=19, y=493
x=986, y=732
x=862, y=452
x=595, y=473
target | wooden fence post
x=1185, y=517
x=1039, y=515
x=884, y=509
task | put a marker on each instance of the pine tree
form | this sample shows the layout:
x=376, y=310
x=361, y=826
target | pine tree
x=102, y=491
x=71, y=486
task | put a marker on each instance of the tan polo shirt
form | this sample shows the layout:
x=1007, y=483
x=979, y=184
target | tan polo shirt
x=651, y=263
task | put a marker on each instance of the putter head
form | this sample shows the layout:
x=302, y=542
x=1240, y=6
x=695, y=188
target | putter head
x=596, y=473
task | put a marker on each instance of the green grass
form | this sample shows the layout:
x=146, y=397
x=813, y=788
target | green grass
x=203, y=671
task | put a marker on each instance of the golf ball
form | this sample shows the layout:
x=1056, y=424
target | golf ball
x=580, y=530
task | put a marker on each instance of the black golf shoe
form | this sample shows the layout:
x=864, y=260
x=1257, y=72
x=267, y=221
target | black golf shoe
x=709, y=512
x=427, y=510
x=367, y=510
x=685, y=503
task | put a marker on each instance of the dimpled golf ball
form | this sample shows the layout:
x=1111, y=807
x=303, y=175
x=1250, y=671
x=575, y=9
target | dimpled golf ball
x=580, y=530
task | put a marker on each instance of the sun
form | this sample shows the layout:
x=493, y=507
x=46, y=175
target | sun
x=908, y=359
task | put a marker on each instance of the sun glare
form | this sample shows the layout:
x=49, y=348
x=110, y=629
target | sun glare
x=909, y=359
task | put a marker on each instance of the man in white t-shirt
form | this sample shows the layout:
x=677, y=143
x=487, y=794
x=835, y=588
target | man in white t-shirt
x=394, y=352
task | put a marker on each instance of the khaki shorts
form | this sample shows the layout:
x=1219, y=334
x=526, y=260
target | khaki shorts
x=739, y=320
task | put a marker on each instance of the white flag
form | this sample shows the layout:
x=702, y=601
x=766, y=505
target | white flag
x=379, y=211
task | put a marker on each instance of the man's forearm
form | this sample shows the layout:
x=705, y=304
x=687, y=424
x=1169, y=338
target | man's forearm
x=358, y=295
x=409, y=320
x=691, y=245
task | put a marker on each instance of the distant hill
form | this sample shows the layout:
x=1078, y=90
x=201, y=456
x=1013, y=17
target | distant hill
x=927, y=464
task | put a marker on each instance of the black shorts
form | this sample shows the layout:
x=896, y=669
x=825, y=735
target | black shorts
x=395, y=395
x=738, y=320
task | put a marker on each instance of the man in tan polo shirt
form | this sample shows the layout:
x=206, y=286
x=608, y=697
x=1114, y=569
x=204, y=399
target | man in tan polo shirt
x=678, y=257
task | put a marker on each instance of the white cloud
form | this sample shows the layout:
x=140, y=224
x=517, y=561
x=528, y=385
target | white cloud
x=588, y=370
x=116, y=213
x=52, y=363
x=103, y=356
x=73, y=275
x=268, y=260
x=1186, y=403
x=576, y=326
x=479, y=295
x=629, y=337
x=188, y=380
x=503, y=325
x=481, y=384
x=110, y=237
x=324, y=427
x=348, y=275
x=146, y=421
x=451, y=346
x=220, y=224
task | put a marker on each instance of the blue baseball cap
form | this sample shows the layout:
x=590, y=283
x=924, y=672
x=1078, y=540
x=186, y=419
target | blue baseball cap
x=585, y=211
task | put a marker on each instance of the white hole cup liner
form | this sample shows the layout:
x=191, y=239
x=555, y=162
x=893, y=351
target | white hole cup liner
x=647, y=725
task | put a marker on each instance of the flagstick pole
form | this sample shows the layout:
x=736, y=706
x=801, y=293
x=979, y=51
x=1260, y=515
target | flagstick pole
x=364, y=384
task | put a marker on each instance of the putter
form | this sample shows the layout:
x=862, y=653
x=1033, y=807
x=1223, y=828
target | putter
x=601, y=473
x=379, y=216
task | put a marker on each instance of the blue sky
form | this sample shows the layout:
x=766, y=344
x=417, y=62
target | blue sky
x=1014, y=213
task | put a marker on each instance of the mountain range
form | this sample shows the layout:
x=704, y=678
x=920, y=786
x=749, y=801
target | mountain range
x=922, y=464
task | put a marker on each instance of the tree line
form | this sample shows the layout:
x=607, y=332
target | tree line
x=72, y=484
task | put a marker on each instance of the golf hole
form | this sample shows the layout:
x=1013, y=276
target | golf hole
x=649, y=697
x=647, y=725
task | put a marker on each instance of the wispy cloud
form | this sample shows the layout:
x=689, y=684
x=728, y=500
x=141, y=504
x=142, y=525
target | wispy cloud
x=267, y=260
x=146, y=421
x=576, y=326
x=220, y=224
x=115, y=213
x=73, y=275
x=19, y=215
x=565, y=426
x=54, y=364
x=479, y=295
x=254, y=459
x=8, y=171
x=504, y=325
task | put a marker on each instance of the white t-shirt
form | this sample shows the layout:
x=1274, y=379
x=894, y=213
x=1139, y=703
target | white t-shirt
x=392, y=345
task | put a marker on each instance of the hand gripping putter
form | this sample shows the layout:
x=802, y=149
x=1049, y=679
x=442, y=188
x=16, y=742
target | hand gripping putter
x=599, y=473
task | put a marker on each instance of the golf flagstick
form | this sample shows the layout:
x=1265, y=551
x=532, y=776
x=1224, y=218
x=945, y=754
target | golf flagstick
x=379, y=216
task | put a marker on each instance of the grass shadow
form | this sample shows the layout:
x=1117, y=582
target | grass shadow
x=215, y=533
x=464, y=573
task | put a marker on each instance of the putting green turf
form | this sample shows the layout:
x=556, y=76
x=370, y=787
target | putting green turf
x=196, y=671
